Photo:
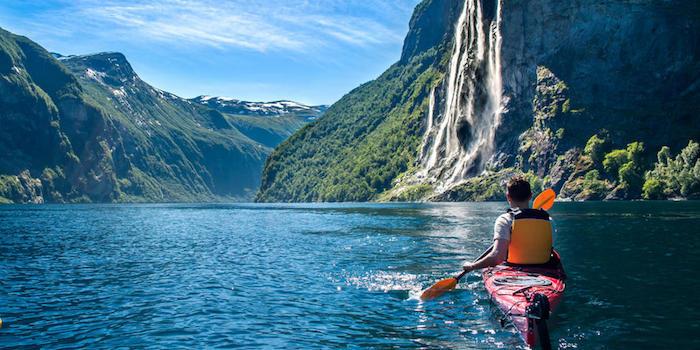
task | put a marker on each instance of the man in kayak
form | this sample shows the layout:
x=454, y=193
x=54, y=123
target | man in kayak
x=522, y=236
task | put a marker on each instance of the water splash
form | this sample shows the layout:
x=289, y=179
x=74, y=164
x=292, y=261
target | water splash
x=461, y=127
x=385, y=282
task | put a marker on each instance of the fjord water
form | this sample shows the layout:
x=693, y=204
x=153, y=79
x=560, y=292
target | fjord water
x=319, y=276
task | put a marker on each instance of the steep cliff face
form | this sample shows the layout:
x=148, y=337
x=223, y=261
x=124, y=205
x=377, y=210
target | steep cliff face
x=518, y=86
x=48, y=130
x=631, y=67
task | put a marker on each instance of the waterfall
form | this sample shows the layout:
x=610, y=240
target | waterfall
x=460, y=130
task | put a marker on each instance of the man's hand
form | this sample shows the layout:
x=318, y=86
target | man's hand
x=468, y=267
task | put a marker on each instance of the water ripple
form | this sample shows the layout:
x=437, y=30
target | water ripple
x=323, y=276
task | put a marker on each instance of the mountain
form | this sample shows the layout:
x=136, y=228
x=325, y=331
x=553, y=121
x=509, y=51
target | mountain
x=263, y=109
x=578, y=95
x=268, y=123
x=88, y=129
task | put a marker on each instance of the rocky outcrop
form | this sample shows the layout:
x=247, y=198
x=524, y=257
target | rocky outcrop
x=632, y=68
x=21, y=189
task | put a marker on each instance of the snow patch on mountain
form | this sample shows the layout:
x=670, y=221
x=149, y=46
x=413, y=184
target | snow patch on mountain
x=95, y=75
x=119, y=92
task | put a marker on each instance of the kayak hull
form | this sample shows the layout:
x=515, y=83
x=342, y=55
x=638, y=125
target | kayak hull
x=514, y=290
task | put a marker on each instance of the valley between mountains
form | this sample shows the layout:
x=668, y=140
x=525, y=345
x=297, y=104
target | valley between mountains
x=88, y=129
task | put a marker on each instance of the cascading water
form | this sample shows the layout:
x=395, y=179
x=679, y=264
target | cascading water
x=460, y=132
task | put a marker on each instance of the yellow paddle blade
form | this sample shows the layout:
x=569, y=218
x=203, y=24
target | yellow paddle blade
x=439, y=288
x=545, y=200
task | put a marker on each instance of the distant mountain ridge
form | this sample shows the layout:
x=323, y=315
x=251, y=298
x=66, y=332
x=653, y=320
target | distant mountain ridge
x=87, y=128
x=267, y=109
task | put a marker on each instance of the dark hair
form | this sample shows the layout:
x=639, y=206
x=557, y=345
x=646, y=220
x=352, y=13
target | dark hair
x=519, y=189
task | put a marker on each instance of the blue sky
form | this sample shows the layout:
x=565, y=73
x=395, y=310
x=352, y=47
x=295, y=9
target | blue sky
x=311, y=51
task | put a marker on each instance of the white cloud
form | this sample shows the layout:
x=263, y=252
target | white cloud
x=278, y=25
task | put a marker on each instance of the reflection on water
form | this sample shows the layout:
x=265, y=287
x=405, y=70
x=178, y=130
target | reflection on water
x=197, y=276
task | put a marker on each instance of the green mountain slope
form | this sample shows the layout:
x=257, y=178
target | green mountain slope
x=48, y=129
x=88, y=129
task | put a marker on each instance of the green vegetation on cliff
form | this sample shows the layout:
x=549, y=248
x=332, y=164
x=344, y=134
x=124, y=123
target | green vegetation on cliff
x=627, y=173
x=378, y=124
x=675, y=178
x=489, y=186
x=609, y=165
x=41, y=103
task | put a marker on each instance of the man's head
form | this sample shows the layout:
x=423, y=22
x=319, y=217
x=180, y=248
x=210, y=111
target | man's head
x=518, y=190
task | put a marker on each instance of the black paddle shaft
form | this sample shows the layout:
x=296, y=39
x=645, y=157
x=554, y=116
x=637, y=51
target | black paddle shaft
x=543, y=334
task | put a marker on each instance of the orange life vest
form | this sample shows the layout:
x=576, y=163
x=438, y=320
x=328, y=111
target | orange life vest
x=531, y=237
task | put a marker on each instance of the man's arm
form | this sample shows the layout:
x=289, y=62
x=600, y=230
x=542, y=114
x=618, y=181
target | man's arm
x=498, y=254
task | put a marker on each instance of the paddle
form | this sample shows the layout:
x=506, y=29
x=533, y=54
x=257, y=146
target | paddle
x=448, y=284
x=544, y=200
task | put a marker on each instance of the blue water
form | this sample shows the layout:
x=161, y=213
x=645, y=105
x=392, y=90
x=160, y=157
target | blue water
x=324, y=276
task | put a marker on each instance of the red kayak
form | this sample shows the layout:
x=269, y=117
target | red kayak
x=526, y=296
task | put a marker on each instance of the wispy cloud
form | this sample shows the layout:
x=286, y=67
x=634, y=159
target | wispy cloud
x=313, y=51
x=270, y=25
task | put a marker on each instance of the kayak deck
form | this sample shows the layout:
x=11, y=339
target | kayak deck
x=526, y=295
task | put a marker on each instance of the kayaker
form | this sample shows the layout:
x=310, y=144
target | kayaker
x=522, y=236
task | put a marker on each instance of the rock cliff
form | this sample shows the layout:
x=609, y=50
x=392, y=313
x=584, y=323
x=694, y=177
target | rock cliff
x=505, y=86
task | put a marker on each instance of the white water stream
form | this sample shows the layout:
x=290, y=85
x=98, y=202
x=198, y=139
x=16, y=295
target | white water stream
x=460, y=130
